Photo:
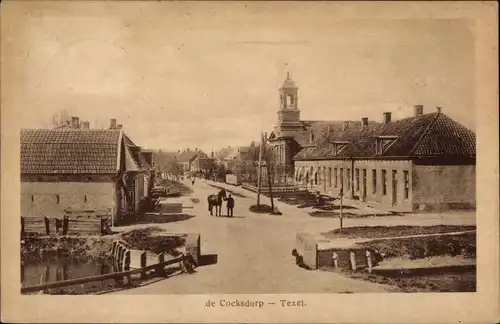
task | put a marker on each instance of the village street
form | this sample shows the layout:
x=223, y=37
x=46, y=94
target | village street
x=254, y=250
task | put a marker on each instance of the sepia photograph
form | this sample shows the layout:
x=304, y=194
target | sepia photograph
x=240, y=149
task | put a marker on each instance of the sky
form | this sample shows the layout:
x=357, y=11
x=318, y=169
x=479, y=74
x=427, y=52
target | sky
x=206, y=75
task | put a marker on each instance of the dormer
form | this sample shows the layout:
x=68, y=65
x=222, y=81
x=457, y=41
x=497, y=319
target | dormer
x=383, y=142
x=311, y=136
x=338, y=146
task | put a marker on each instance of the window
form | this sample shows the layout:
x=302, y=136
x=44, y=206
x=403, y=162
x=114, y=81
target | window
x=335, y=177
x=357, y=179
x=382, y=143
x=85, y=199
x=57, y=198
x=316, y=177
x=407, y=183
x=384, y=182
x=374, y=181
x=32, y=198
x=339, y=146
x=329, y=177
x=348, y=179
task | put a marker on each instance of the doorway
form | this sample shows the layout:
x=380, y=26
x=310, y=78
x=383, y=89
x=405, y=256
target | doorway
x=394, y=188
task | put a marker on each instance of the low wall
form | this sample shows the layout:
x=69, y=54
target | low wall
x=122, y=253
x=350, y=258
x=307, y=247
x=193, y=246
x=232, y=179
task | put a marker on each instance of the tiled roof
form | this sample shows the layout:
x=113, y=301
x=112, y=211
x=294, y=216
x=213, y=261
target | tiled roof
x=186, y=156
x=138, y=159
x=428, y=135
x=199, y=155
x=73, y=151
x=320, y=130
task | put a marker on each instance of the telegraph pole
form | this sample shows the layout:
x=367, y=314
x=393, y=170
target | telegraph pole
x=341, y=195
x=259, y=170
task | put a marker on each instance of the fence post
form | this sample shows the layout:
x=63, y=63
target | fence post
x=335, y=258
x=113, y=250
x=47, y=225
x=127, y=267
x=368, y=255
x=352, y=257
x=160, y=269
x=65, y=225
x=143, y=264
x=22, y=226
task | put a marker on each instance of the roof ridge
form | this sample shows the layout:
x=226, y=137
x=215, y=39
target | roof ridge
x=424, y=133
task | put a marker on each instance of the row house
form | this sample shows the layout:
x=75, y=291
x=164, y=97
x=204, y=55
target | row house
x=83, y=168
x=422, y=163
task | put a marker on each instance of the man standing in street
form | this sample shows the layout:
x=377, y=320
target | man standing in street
x=230, y=205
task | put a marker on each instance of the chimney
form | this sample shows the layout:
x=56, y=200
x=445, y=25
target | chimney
x=75, y=122
x=364, y=122
x=438, y=109
x=345, y=125
x=119, y=126
x=387, y=118
x=419, y=110
x=86, y=125
x=112, y=123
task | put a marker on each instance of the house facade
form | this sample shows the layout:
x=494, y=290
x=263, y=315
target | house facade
x=201, y=162
x=422, y=163
x=291, y=135
x=82, y=169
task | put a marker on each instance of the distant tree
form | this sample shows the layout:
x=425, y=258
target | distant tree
x=60, y=118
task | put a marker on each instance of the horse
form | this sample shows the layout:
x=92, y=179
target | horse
x=216, y=200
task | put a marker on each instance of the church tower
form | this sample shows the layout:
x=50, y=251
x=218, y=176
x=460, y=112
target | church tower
x=288, y=113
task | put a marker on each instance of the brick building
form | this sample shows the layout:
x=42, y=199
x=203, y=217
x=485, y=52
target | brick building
x=424, y=162
x=292, y=135
x=82, y=169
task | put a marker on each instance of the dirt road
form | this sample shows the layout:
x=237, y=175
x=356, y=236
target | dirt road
x=252, y=253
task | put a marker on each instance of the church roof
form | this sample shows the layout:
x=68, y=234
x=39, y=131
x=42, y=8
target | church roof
x=288, y=83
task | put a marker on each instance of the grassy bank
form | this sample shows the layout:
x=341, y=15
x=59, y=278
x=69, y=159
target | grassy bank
x=393, y=231
x=152, y=239
x=445, y=282
x=426, y=263
x=81, y=248
x=426, y=246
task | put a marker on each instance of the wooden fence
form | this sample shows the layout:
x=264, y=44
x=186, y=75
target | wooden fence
x=275, y=188
x=74, y=222
x=119, y=276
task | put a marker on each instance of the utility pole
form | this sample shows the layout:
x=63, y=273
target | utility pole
x=269, y=179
